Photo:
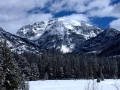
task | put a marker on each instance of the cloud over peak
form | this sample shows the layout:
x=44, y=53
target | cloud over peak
x=15, y=13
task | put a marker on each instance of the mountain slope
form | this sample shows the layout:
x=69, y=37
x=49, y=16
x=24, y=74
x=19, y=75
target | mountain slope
x=114, y=47
x=18, y=44
x=64, y=36
x=32, y=31
x=59, y=34
x=99, y=43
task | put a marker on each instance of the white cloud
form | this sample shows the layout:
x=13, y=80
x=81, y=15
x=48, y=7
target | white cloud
x=93, y=8
x=13, y=25
x=79, y=5
x=79, y=17
x=115, y=24
x=68, y=5
x=107, y=11
x=14, y=13
x=22, y=4
x=13, y=9
x=116, y=10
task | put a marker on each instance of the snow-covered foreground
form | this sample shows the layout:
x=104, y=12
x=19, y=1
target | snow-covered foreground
x=71, y=84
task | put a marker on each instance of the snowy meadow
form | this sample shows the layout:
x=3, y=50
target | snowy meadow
x=107, y=84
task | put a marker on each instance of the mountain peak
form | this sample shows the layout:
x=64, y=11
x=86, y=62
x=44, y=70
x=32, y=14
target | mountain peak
x=34, y=31
x=111, y=32
x=59, y=33
x=62, y=35
x=100, y=42
x=1, y=30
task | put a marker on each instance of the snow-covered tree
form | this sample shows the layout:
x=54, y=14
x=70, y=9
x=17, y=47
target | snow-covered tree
x=24, y=67
x=114, y=69
x=34, y=72
x=10, y=78
x=2, y=75
x=46, y=76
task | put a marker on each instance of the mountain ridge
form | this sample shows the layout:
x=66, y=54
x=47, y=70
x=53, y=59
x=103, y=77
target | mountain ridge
x=18, y=44
x=100, y=42
x=62, y=35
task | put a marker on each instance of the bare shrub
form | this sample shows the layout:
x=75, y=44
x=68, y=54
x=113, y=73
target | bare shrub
x=116, y=85
x=92, y=85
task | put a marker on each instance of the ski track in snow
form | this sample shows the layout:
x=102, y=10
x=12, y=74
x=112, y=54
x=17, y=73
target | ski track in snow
x=71, y=84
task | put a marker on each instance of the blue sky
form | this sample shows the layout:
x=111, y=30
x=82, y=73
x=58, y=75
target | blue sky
x=16, y=13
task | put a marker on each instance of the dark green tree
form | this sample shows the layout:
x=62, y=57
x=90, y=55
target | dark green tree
x=9, y=68
x=34, y=72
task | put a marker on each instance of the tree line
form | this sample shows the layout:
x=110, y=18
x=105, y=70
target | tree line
x=16, y=69
x=55, y=65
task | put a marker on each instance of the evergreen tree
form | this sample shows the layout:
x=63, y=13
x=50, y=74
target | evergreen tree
x=2, y=75
x=46, y=76
x=24, y=84
x=9, y=69
x=34, y=72
x=24, y=67
x=61, y=73
x=115, y=69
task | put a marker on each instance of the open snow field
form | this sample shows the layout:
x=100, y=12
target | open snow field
x=72, y=84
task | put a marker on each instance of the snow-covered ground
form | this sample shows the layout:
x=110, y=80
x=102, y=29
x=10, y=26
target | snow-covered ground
x=72, y=84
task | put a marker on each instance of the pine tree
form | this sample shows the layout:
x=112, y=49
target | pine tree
x=115, y=69
x=100, y=73
x=34, y=72
x=46, y=76
x=50, y=73
x=11, y=73
x=61, y=73
x=24, y=84
x=24, y=67
x=2, y=75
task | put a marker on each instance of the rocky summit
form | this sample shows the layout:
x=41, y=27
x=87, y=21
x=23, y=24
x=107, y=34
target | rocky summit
x=59, y=34
x=63, y=35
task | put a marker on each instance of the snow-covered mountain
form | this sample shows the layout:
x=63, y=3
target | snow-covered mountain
x=18, y=44
x=32, y=31
x=113, y=48
x=59, y=34
x=65, y=36
x=101, y=42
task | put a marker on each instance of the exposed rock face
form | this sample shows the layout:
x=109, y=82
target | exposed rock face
x=59, y=34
